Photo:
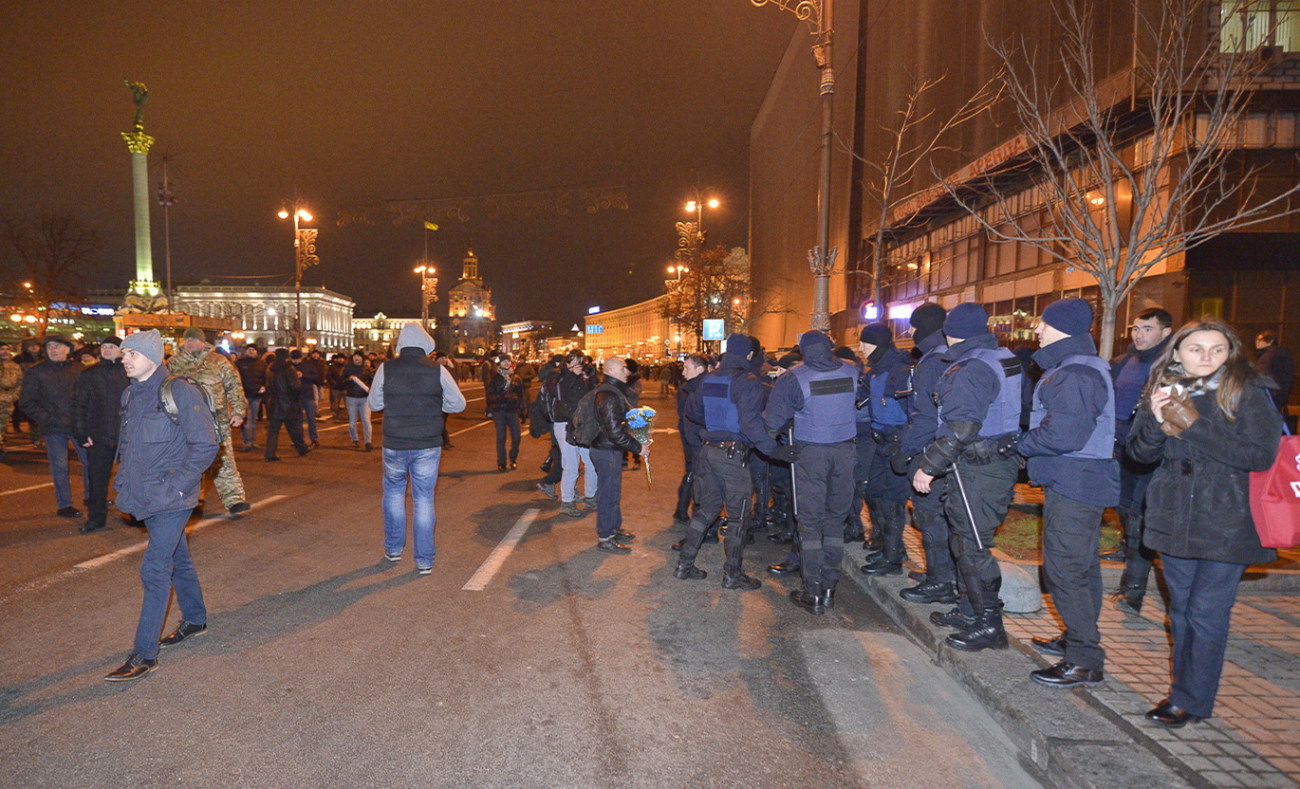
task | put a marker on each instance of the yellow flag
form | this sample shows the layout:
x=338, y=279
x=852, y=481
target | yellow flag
x=430, y=225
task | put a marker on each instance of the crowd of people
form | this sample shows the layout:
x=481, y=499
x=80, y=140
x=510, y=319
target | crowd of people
x=1166, y=434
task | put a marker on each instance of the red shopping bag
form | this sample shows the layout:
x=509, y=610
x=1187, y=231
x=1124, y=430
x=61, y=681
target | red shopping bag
x=1275, y=497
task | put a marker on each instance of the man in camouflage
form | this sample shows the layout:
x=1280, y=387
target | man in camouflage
x=11, y=383
x=197, y=359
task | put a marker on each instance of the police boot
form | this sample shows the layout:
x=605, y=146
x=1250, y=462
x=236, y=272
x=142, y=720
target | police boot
x=739, y=580
x=687, y=571
x=828, y=596
x=987, y=632
x=811, y=598
x=683, y=512
x=953, y=618
x=930, y=592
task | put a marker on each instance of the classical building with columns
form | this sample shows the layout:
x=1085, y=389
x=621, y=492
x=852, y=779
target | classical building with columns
x=266, y=314
x=471, y=327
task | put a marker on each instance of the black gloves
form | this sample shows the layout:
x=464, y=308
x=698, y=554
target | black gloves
x=941, y=454
x=786, y=453
x=900, y=462
x=1006, y=445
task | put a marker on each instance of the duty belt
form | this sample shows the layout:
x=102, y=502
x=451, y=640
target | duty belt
x=732, y=448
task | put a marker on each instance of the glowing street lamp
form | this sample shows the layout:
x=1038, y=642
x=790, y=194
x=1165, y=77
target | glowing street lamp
x=304, y=255
x=428, y=290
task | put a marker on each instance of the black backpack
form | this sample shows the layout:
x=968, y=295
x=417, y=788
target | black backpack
x=168, y=399
x=583, y=427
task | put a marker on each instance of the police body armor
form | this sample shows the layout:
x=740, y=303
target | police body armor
x=887, y=412
x=1101, y=444
x=720, y=413
x=829, y=412
x=1004, y=412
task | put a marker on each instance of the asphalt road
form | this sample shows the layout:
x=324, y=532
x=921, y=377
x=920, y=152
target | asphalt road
x=325, y=666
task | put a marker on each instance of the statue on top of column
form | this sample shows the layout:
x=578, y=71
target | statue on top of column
x=140, y=95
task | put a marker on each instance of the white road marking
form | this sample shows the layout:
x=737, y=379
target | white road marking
x=30, y=487
x=471, y=427
x=481, y=577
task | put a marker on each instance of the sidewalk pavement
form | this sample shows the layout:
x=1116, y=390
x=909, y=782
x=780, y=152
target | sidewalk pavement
x=1086, y=738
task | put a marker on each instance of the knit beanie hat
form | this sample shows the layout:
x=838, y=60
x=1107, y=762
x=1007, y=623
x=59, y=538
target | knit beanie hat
x=966, y=321
x=194, y=333
x=739, y=345
x=846, y=353
x=111, y=341
x=1072, y=316
x=148, y=344
x=877, y=334
x=295, y=354
x=59, y=338
x=926, y=320
x=811, y=339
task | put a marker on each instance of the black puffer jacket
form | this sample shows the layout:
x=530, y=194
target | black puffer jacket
x=1198, y=504
x=282, y=400
x=97, y=403
x=611, y=414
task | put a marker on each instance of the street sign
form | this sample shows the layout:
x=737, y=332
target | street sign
x=713, y=329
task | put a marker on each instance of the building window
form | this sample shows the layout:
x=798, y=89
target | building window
x=1250, y=24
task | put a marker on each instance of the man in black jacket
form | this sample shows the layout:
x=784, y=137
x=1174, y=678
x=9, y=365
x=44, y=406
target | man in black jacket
x=46, y=398
x=689, y=433
x=563, y=392
x=283, y=406
x=252, y=375
x=607, y=451
x=96, y=401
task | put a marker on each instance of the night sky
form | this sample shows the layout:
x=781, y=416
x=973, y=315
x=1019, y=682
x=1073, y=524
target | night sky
x=345, y=105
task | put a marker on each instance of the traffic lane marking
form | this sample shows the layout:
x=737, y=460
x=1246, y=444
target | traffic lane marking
x=484, y=574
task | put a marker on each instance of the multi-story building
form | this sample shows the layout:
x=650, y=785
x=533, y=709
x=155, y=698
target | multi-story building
x=470, y=328
x=637, y=330
x=267, y=316
x=525, y=339
x=378, y=334
x=934, y=249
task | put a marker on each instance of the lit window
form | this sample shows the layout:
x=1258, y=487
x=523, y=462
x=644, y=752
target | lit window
x=1251, y=24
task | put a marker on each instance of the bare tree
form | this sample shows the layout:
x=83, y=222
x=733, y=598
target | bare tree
x=53, y=253
x=913, y=137
x=1132, y=168
x=716, y=286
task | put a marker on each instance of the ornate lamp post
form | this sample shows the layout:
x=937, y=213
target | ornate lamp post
x=304, y=255
x=817, y=15
x=428, y=290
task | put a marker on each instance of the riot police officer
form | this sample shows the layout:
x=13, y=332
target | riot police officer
x=729, y=401
x=940, y=583
x=884, y=388
x=818, y=394
x=1070, y=446
x=979, y=406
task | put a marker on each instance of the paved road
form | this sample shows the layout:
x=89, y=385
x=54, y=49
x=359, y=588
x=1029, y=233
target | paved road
x=327, y=667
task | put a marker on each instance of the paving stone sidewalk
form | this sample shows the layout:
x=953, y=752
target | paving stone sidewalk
x=1253, y=738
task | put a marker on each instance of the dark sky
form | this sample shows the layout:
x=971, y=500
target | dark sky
x=348, y=103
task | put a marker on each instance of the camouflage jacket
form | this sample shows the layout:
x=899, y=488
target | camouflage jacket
x=11, y=382
x=216, y=373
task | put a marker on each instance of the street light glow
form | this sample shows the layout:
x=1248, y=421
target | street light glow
x=283, y=214
x=713, y=202
x=690, y=206
x=304, y=215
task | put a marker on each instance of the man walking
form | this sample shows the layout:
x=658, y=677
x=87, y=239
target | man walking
x=417, y=393
x=613, y=439
x=818, y=396
x=96, y=405
x=46, y=399
x=282, y=405
x=1071, y=449
x=252, y=376
x=214, y=372
x=163, y=458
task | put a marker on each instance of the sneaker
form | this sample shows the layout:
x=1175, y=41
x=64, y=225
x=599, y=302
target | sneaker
x=69, y=512
x=369, y=447
x=134, y=668
x=184, y=631
x=571, y=509
x=547, y=489
x=588, y=501
x=393, y=557
x=239, y=506
x=423, y=570
x=1114, y=555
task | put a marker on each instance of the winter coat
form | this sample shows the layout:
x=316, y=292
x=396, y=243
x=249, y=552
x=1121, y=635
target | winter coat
x=219, y=377
x=363, y=373
x=1198, y=503
x=282, y=390
x=562, y=391
x=47, y=395
x=252, y=374
x=11, y=382
x=503, y=395
x=97, y=401
x=611, y=414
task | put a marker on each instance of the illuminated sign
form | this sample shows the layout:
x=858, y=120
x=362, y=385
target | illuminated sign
x=595, y=328
x=593, y=310
x=713, y=329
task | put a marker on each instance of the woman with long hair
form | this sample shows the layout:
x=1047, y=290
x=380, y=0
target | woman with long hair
x=1207, y=420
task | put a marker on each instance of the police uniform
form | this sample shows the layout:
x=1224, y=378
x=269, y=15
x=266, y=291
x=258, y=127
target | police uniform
x=885, y=388
x=730, y=400
x=940, y=583
x=819, y=396
x=1070, y=446
x=979, y=406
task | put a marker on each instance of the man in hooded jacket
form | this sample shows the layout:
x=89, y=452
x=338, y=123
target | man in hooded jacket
x=882, y=394
x=816, y=400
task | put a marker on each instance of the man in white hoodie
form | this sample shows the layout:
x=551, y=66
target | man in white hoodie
x=416, y=393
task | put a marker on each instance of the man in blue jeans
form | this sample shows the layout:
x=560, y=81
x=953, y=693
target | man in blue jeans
x=46, y=398
x=416, y=393
x=165, y=445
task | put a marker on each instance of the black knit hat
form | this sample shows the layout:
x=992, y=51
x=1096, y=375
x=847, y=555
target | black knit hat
x=926, y=320
x=877, y=334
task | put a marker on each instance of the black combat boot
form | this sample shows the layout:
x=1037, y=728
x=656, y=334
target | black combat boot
x=739, y=581
x=953, y=618
x=687, y=571
x=987, y=632
x=811, y=598
x=930, y=592
x=828, y=597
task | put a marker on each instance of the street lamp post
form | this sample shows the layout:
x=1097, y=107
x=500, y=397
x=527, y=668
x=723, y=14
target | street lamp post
x=821, y=259
x=304, y=255
x=428, y=290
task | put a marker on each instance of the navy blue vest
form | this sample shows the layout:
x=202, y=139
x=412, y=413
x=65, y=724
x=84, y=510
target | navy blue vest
x=828, y=413
x=719, y=412
x=1101, y=444
x=1003, y=415
x=887, y=412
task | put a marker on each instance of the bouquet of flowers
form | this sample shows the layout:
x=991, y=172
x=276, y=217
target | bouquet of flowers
x=640, y=421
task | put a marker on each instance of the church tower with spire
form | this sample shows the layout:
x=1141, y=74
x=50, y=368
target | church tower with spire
x=470, y=310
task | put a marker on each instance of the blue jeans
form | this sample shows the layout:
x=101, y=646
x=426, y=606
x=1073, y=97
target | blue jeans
x=56, y=451
x=250, y=422
x=571, y=457
x=419, y=467
x=310, y=410
x=167, y=564
x=1201, y=596
x=358, y=412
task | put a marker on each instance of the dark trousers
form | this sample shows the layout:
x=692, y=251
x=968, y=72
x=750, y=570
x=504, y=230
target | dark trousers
x=506, y=421
x=823, y=493
x=927, y=514
x=686, y=488
x=99, y=467
x=988, y=489
x=721, y=481
x=167, y=565
x=292, y=423
x=1133, y=481
x=781, y=513
x=1201, y=596
x=1071, y=530
x=555, y=471
x=609, y=511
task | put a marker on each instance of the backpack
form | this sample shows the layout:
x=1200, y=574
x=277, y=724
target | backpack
x=168, y=400
x=583, y=427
